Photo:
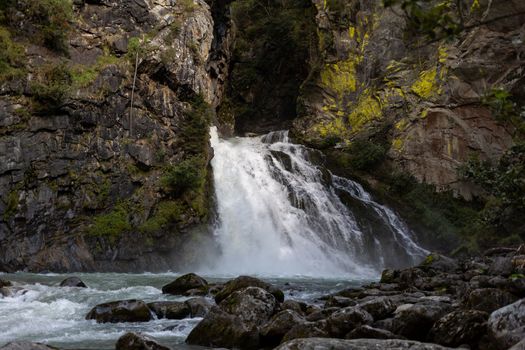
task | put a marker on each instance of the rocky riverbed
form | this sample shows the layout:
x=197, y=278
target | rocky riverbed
x=475, y=303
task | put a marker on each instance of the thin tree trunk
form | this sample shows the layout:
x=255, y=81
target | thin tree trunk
x=133, y=94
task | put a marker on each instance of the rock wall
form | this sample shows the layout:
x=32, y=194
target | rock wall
x=81, y=185
x=424, y=97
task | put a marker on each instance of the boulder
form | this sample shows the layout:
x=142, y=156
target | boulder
x=321, y=314
x=199, y=307
x=307, y=330
x=121, y=311
x=184, y=283
x=25, y=345
x=253, y=305
x=389, y=276
x=460, y=327
x=379, y=308
x=5, y=283
x=371, y=333
x=138, y=341
x=220, y=329
x=414, y=321
x=173, y=310
x=343, y=321
x=506, y=326
x=357, y=344
x=519, y=346
x=247, y=281
x=338, y=301
x=274, y=330
x=501, y=266
x=489, y=299
x=296, y=306
x=439, y=262
x=73, y=282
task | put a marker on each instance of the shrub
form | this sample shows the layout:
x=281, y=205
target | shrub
x=195, y=126
x=11, y=56
x=111, y=225
x=186, y=175
x=365, y=155
x=167, y=212
x=52, y=86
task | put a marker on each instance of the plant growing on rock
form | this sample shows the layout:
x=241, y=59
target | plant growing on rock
x=52, y=86
x=11, y=56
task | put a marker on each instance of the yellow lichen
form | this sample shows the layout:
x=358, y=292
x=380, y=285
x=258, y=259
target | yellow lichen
x=402, y=124
x=426, y=85
x=341, y=76
x=442, y=54
x=397, y=144
x=368, y=108
x=475, y=6
x=351, y=32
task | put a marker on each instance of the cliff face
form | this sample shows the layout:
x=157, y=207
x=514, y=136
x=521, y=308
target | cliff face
x=99, y=170
x=425, y=100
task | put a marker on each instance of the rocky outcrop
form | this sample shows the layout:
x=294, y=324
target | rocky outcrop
x=424, y=100
x=84, y=146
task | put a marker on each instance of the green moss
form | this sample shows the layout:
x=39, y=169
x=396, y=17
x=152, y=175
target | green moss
x=188, y=5
x=11, y=56
x=111, y=225
x=184, y=176
x=11, y=204
x=52, y=86
x=166, y=213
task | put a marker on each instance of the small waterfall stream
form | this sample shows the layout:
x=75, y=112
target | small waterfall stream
x=279, y=213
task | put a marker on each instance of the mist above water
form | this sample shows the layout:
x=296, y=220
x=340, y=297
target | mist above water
x=281, y=214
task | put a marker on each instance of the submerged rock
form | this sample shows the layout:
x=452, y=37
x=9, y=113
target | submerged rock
x=247, y=281
x=121, y=311
x=73, y=282
x=185, y=283
x=357, y=344
x=24, y=345
x=174, y=310
x=5, y=283
x=138, y=341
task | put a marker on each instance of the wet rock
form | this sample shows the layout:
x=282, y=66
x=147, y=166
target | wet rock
x=460, y=327
x=296, y=306
x=307, y=330
x=338, y=301
x=357, y=344
x=371, y=333
x=172, y=310
x=343, y=321
x=439, y=262
x=199, y=307
x=414, y=321
x=321, y=314
x=184, y=283
x=489, y=299
x=24, y=345
x=5, y=283
x=247, y=281
x=137, y=341
x=253, y=305
x=274, y=330
x=6, y=292
x=388, y=276
x=73, y=282
x=221, y=329
x=121, y=311
x=506, y=326
x=379, y=308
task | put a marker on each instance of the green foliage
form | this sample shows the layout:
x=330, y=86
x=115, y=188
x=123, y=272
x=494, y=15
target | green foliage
x=186, y=175
x=188, y=5
x=167, y=212
x=111, y=225
x=83, y=76
x=365, y=155
x=11, y=56
x=504, y=108
x=195, y=126
x=52, y=86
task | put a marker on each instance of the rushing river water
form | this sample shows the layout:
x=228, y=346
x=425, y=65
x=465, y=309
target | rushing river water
x=44, y=312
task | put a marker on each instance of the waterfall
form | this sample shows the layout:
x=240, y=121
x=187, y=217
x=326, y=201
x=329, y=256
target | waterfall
x=280, y=213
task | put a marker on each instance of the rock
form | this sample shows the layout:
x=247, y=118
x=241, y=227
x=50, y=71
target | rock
x=506, y=326
x=6, y=292
x=379, y=308
x=73, y=282
x=24, y=345
x=184, y=283
x=460, y=327
x=296, y=306
x=247, y=281
x=519, y=346
x=343, y=321
x=439, y=262
x=388, y=276
x=337, y=301
x=220, y=329
x=321, y=314
x=199, y=307
x=357, y=344
x=307, y=330
x=121, y=311
x=253, y=305
x=137, y=341
x=371, y=333
x=498, y=251
x=173, y=310
x=501, y=266
x=414, y=321
x=274, y=330
x=5, y=283
x=489, y=299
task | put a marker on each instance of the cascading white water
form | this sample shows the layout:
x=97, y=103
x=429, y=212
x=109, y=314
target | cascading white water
x=280, y=214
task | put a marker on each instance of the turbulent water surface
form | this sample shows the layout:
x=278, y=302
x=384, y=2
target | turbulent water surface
x=44, y=312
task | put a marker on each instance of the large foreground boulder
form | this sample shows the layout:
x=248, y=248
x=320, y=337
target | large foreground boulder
x=343, y=321
x=253, y=305
x=489, y=299
x=73, y=282
x=460, y=327
x=506, y=326
x=274, y=330
x=121, y=311
x=242, y=282
x=185, y=283
x=137, y=341
x=357, y=344
x=221, y=329
x=24, y=345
